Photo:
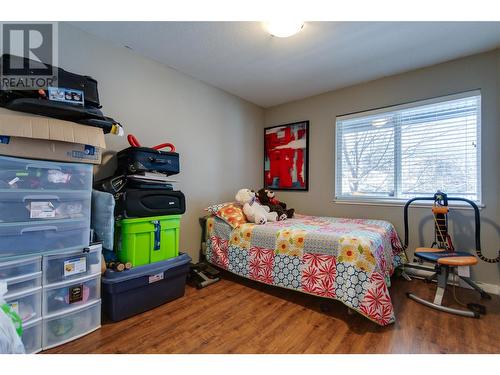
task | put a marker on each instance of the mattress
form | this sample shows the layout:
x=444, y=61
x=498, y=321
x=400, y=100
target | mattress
x=350, y=260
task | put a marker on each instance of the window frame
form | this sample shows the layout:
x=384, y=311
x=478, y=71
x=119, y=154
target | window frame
x=390, y=201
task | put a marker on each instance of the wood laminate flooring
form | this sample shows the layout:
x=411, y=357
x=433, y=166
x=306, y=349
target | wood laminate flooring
x=237, y=315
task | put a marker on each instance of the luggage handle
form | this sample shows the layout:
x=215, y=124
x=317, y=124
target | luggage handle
x=39, y=229
x=40, y=197
x=132, y=140
x=163, y=145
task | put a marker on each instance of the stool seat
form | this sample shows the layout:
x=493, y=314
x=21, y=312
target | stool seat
x=458, y=261
x=428, y=250
x=456, y=258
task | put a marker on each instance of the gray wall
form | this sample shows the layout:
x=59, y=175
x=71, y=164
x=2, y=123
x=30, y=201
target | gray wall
x=215, y=132
x=220, y=136
x=475, y=72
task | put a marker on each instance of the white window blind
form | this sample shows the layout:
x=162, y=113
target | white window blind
x=411, y=150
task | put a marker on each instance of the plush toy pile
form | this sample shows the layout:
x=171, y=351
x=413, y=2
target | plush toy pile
x=253, y=210
x=262, y=207
x=268, y=198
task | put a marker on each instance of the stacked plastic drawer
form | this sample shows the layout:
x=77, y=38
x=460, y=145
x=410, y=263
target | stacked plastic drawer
x=44, y=206
x=45, y=210
x=24, y=280
x=71, y=295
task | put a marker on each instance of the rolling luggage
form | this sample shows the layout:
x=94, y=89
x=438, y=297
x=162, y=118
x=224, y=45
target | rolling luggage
x=132, y=203
x=145, y=159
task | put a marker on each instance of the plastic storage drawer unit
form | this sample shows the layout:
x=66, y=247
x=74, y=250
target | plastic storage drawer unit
x=24, y=282
x=28, y=304
x=20, y=267
x=32, y=336
x=63, y=296
x=44, y=205
x=70, y=325
x=143, y=288
x=147, y=240
x=70, y=265
x=38, y=236
x=17, y=173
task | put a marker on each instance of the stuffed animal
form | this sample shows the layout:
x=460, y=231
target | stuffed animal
x=268, y=198
x=253, y=210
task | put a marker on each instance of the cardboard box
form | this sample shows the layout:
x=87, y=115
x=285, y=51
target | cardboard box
x=37, y=137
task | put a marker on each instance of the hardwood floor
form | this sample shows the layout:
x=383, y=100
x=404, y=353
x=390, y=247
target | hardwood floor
x=241, y=316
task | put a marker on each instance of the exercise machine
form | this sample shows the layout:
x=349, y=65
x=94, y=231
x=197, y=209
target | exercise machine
x=445, y=258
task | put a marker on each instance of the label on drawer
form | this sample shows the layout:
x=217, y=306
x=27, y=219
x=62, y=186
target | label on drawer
x=42, y=210
x=155, y=278
x=15, y=307
x=75, y=266
x=75, y=294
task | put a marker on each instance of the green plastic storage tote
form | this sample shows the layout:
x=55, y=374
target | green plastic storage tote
x=148, y=240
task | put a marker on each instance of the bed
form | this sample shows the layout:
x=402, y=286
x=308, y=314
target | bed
x=350, y=260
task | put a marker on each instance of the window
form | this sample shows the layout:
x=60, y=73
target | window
x=410, y=150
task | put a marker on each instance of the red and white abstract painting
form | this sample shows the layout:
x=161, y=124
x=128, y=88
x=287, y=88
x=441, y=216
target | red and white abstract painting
x=286, y=156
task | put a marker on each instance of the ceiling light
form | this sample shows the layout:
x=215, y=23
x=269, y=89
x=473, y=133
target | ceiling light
x=283, y=28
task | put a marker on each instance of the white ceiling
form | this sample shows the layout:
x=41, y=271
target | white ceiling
x=243, y=59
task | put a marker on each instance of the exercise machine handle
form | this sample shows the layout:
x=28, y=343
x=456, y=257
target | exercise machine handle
x=477, y=220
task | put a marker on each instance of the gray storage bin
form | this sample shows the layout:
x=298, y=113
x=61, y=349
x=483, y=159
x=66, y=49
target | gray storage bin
x=70, y=325
x=43, y=205
x=24, y=282
x=18, y=173
x=27, y=304
x=36, y=237
x=72, y=264
x=66, y=295
x=32, y=336
x=20, y=267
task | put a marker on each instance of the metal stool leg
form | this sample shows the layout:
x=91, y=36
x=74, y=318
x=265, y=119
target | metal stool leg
x=442, y=276
x=443, y=273
x=476, y=287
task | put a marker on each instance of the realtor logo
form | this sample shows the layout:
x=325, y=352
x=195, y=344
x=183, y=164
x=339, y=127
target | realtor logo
x=29, y=56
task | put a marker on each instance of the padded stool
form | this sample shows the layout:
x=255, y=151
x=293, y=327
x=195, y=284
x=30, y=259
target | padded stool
x=446, y=261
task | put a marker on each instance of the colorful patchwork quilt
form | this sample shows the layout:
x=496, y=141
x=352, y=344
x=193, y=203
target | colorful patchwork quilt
x=350, y=260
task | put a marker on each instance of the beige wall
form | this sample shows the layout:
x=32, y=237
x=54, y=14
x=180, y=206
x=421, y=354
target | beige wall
x=475, y=72
x=215, y=133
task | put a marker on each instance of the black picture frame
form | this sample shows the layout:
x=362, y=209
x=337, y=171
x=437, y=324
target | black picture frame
x=267, y=176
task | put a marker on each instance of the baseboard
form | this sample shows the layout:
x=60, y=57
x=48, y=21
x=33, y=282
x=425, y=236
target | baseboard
x=488, y=288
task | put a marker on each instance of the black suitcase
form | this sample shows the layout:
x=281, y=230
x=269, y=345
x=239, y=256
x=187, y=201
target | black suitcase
x=145, y=159
x=132, y=203
x=115, y=184
x=65, y=80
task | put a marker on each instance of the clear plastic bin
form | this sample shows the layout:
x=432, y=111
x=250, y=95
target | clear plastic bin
x=64, y=296
x=26, y=238
x=43, y=205
x=24, y=282
x=27, y=304
x=71, y=265
x=32, y=336
x=18, y=173
x=64, y=327
x=20, y=267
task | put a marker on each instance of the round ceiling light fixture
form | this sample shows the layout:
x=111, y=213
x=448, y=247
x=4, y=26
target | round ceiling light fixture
x=283, y=28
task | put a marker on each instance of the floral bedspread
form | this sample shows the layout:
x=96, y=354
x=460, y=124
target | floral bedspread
x=350, y=260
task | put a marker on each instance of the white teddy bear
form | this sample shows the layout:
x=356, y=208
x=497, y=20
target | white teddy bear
x=253, y=210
